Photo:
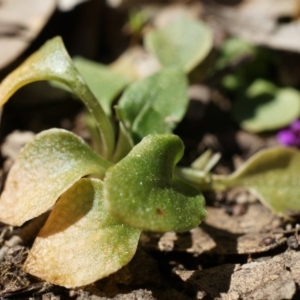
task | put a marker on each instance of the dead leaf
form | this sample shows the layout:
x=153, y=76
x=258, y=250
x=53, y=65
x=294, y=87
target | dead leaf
x=256, y=218
x=257, y=280
x=228, y=243
x=20, y=23
x=169, y=13
x=121, y=3
x=14, y=142
x=259, y=242
x=258, y=22
x=66, y=5
x=12, y=277
x=224, y=234
x=292, y=261
x=222, y=242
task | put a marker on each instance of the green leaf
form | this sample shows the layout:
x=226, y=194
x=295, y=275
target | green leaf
x=155, y=104
x=261, y=87
x=44, y=169
x=52, y=62
x=124, y=144
x=103, y=82
x=136, y=20
x=206, y=161
x=232, y=49
x=183, y=43
x=142, y=191
x=273, y=175
x=267, y=108
x=80, y=242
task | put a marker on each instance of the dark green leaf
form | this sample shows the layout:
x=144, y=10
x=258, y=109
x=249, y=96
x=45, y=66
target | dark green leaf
x=155, y=104
x=142, y=191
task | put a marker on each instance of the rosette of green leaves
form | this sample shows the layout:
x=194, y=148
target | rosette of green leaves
x=89, y=190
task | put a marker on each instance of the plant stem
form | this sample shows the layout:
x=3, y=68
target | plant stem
x=103, y=123
x=203, y=180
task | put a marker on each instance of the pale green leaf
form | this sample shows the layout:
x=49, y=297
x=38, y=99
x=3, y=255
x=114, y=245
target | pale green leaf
x=261, y=88
x=233, y=48
x=267, y=108
x=103, y=82
x=183, y=43
x=206, y=161
x=274, y=176
x=80, y=242
x=155, y=104
x=44, y=169
x=124, y=144
x=142, y=191
x=52, y=62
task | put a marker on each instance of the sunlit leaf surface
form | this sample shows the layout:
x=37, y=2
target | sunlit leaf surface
x=80, y=242
x=273, y=175
x=183, y=43
x=44, y=169
x=52, y=62
x=141, y=190
x=155, y=104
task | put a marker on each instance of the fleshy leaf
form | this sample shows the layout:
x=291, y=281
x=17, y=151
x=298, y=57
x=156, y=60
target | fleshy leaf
x=142, y=191
x=123, y=145
x=52, y=62
x=206, y=161
x=44, y=169
x=231, y=49
x=80, y=242
x=155, y=104
x=273, y=175
x=266, y=108
x=103, y=82
x=183, y=43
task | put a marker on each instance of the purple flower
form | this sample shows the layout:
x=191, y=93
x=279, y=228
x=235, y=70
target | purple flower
x=295, y=126
x=290, y=136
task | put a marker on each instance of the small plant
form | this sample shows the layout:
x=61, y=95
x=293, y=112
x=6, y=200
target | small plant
x=94, y=227
x=103, y=198
x=259, y=104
